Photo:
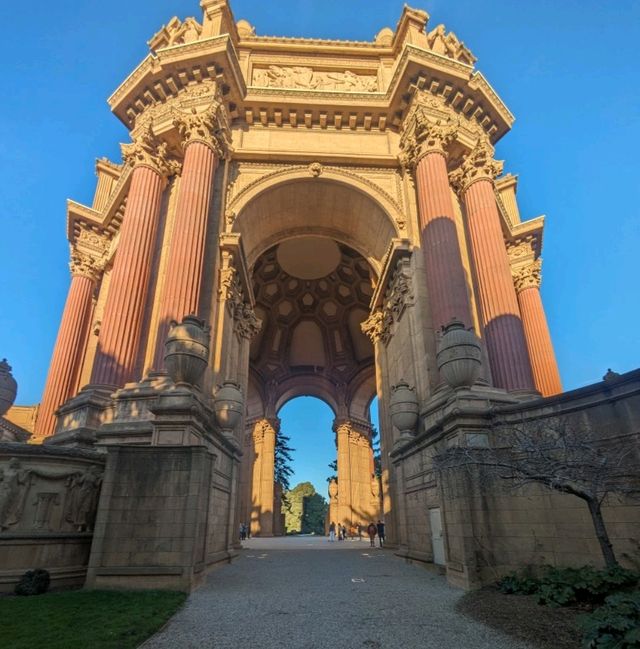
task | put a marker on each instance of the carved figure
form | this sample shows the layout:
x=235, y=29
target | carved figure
x=14, y=487
x=82, y=499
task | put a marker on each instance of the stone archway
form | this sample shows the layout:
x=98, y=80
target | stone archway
x=314, y=247
x=312, y=294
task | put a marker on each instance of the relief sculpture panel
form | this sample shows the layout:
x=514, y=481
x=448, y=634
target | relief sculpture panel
x=305, y=78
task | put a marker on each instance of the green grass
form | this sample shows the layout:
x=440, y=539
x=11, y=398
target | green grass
x=85, y=619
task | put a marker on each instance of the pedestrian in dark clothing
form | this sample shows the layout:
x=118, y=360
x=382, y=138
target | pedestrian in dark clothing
x=372, y=530
x=344, y=532
x=380, y=529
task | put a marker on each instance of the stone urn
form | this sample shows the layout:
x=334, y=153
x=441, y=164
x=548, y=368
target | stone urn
x=375, y=487
x=403, y=408
x=186, y=351
x=459, y=355
x=8, y=387
x=228, y=404
x=333, y=490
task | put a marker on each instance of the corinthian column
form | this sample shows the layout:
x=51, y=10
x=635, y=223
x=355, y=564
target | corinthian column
x=543, y=360
x=125, y=306
x=202, y=150
x=263, y=479
x=499, y=311
x=66, y=360
x=424, y=149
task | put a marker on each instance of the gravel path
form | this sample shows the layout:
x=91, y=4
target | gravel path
x=347, y=598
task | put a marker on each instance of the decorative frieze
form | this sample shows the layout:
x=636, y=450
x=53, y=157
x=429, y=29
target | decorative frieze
x=306, y=78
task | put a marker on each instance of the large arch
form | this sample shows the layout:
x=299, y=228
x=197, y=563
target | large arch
x=334, y=205
x=311, y=342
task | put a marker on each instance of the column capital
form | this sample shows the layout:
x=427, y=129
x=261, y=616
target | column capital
x=478, y=164
x=209, y=126
x=83, y=264
x=527, y=276
x=426, y=134
x=147, y=150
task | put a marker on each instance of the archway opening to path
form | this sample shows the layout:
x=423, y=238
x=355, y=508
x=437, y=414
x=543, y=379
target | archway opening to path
x=312, y=294
x=306, y=427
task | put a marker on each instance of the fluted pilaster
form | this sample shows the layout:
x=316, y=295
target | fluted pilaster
x=446, y=281
x=543, y=360
x=122, y=321
x=500, y=313
x=182, y=290
x=64, y=370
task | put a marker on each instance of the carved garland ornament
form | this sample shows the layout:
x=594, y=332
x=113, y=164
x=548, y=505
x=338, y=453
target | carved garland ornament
x=398, y=296
x=246, y=323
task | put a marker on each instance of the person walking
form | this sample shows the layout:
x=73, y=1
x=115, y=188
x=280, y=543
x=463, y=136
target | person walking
x=380, y=530
x=344, y=532
x=332, y=532
x=372, y=530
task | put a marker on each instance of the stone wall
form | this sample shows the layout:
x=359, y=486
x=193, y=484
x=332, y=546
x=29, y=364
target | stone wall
x=48, y=501
x=163, y=517
x=490, y=531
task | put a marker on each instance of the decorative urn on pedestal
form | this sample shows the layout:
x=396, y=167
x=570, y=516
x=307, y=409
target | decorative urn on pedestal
x=459, y=355
x=228, y=404
x=8, y=387
x=187, y=350
x=333, y=490
x=403, y=408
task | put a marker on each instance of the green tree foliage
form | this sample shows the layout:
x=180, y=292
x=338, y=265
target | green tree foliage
x=283, y=470
x=377, y=454
x=334, y=471
x=306, y=510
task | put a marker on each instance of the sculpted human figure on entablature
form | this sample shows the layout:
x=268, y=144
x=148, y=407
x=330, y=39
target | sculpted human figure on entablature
x=449, y=45
x=478, y=164
x=176, y=32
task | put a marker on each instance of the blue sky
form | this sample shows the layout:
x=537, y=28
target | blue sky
x=567, y=70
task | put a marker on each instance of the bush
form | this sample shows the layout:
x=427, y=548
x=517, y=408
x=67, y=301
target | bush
x=616, y=625
x=567, y=586
x=33, y=582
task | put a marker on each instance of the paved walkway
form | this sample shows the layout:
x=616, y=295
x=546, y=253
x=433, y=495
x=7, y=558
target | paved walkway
x=284, y=593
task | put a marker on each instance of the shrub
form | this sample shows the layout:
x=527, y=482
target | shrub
x=586, y=585
x=33, y=582
x=616, y=625
x=567, y=586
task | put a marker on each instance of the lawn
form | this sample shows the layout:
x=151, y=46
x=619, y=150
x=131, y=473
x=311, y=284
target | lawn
x=85, y=619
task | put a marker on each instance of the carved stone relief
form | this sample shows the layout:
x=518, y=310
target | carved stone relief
x=305, y=78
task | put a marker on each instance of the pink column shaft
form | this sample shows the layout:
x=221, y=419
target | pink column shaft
x=183, y=278
x=64, y=371
x=543, y=358
x=500, y=314
x=446, y=281
x=125, y=306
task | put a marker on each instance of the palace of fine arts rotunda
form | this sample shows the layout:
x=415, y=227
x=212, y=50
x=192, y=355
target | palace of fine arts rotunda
x=298, y=217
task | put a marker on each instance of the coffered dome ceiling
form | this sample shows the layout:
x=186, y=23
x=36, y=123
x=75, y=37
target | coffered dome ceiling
x=311, y=294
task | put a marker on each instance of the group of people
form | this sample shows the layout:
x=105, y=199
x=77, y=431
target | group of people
x=244, y=532
x=373, y=530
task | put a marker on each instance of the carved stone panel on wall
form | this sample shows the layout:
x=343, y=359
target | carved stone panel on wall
x=305, y=78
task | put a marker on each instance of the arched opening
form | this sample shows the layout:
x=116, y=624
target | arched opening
x=306, y=427
x=314, y=249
